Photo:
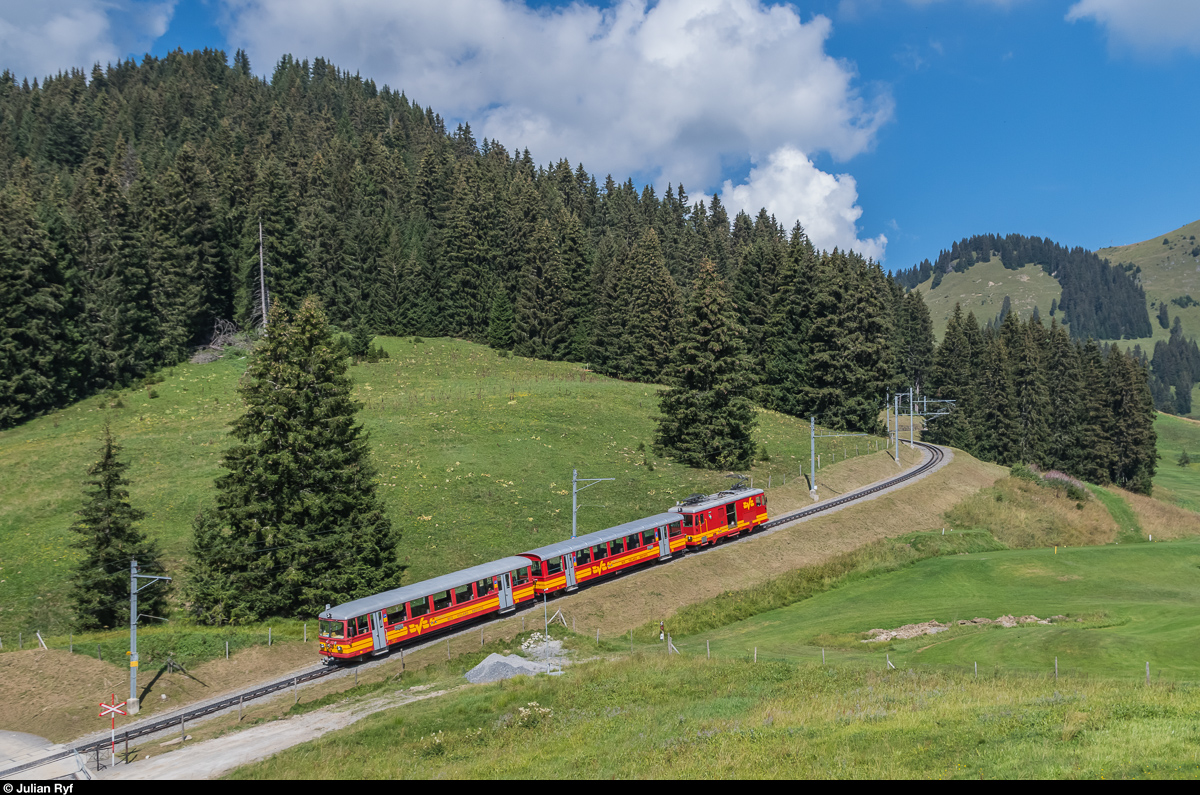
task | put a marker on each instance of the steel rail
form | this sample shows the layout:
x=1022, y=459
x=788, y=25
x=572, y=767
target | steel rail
x=935, y=458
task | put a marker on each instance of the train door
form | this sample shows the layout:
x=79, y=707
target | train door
x=569, y=568
x=379, y=631
x=506, y=594
x=664, y=543
x=731, y=515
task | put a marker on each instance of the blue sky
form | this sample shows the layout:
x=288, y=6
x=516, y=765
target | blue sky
x=894, y=126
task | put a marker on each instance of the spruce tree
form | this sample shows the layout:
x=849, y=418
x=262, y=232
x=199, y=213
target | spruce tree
x=500, y=323
x=950, y=378
x=297, y=523
x=1031, y=400
x=1094, y=455
x=36, y=345
x=707, y=419
x=1134, y=440
x=109, y=540
x=646, y=347
x=999, y=434
x=1064, y=388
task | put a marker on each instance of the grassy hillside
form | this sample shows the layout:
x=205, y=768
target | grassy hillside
x=650, y=716
x=768, y=705
x=1135, y=601
x=982, y=289
x=1173, y=483
x=1168, y=271
x=474, y=453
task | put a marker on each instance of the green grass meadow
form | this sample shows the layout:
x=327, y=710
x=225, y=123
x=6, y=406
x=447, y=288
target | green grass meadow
x=1136, y=603
x=770, y=704
x=1173, y=483
x=474, y=453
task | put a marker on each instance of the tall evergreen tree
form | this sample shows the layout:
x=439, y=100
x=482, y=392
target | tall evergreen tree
x=109, y=540
x=36, y=345
x=1094, y=455
x=297, y=523
x=1064, y=388
x=952, y=378
x=707, y=418
x=1031, y=399
x=1134, y=440
x=646, y=346
x=999, y=434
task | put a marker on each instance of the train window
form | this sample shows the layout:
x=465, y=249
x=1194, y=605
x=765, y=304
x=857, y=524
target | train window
x=616, y=547
x=731, y=514
x=600, y=552
x=554, y=566
x=758, y=500
x=418, y=607
x=441, y=601
x=462, y=594
x=583, y=556
x=648, y=538
x=333, y=629
x=675, y=530
x=483, y=587
x=633, y=542
x=687, y=520
x=395, y=614
x=363, y=627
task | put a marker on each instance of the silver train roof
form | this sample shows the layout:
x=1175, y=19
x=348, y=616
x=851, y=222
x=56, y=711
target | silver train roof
x=720, y=498
x=398, y=596
x=601, y=536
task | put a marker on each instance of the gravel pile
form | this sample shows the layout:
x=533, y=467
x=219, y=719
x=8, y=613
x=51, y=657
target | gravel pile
x=499, y=666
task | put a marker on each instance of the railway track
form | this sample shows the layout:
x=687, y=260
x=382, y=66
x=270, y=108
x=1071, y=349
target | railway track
x=180, y=719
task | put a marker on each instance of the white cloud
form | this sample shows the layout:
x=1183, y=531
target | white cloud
x=44, y=38
x=1150, y=26
x=668, y=91
x=790, y=186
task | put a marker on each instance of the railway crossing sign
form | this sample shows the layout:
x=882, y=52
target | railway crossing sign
x=113, y=710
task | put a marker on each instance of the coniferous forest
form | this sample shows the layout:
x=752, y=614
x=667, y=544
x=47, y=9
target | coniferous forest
x=130, y=223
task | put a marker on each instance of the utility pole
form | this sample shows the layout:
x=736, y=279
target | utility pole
x=812, y=457
x=262, y=278
x=896, y=414
x=910, y=417
x=575, y=489
x=133, y=704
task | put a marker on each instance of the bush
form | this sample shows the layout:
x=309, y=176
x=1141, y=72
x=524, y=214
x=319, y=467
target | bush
x=417, y=340
x=152, y=394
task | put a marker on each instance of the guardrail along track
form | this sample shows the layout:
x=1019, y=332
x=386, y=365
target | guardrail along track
x=936, y=456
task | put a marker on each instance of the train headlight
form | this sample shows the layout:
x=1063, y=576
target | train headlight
x=339, y=648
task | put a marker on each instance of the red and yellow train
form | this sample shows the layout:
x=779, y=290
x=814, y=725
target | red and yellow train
x=374, y=624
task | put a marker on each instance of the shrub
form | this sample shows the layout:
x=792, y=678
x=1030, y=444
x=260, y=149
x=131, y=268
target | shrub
x=152, y=394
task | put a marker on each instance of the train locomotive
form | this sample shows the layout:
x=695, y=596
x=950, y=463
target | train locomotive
x=374, y=624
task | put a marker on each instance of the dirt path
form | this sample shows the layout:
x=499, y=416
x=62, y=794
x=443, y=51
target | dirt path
x=212, y=758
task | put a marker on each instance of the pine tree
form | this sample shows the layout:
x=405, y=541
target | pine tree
x=707, y=418
x=1031, y=400
x=951, y=378
x=646, y=347
x=109, y=540
x=1134, y=440
x=999, y=434
x=1064, y=381
x=501, y=321
x=36, y=348
x=297, y=523
x=1094, y=456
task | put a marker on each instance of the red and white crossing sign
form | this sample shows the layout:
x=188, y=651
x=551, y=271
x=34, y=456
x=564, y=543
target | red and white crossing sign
x=113, y=710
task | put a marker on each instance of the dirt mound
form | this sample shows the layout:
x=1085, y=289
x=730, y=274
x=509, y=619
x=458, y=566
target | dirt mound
x=907, y=631
x=933, y=627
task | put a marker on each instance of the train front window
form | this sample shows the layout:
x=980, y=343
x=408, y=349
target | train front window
x=333, y=629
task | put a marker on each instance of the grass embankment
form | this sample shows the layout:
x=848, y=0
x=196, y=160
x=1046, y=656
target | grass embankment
x=1173, y=483
x=982, y=288
x=474, y=452
x=658, y=717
